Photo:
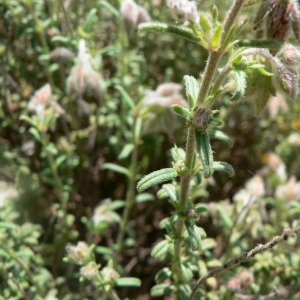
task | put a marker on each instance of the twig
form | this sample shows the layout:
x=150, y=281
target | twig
x=246, y=256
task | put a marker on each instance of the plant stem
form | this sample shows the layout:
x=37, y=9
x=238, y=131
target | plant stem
x=130, y=196
x=211, y=66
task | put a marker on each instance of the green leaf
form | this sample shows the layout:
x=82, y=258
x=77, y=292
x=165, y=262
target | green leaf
x=60, y=160
x=241, y=84
x=8, y=226
x=215, y=16
x=31, y=121
x=192, y=89
x=220, y=135
x=216, y=37
x=161, y=289
x=35, y=134
x=144, y=197
x=223, y=166
x=182, y=32
x=104, y=250
x=208, y=243
x=162, y=275
x=200, y=208
x=195, y=239
x=125, y=96
x=128, y=281
x=110, y=8
x=181, y=111
x=205, y=24
x=226, y=218
x=205, y=153
x=156, y=178
x=171, y=191
x=116, y=204
x=270, y=44
x=126, y=151
x=265, y=72
x=89, y=21
x=3, y=254
x=117, y=168
x=161, y=250
x=214, y=121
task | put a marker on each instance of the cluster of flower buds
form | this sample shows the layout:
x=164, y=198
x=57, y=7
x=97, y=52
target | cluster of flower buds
x=133, y=14
x=184, y=10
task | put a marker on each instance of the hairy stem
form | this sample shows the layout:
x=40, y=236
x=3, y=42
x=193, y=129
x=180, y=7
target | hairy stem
x=211, y=66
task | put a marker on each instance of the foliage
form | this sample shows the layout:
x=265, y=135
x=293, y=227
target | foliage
x=94, y=94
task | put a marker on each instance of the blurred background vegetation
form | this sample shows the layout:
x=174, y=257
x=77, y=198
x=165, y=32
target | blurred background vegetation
x=64, y=114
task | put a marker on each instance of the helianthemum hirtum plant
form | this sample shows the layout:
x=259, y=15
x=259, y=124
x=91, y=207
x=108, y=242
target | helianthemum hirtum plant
x=254, y=70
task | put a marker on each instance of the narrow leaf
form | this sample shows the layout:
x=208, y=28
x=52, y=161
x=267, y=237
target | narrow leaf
x=221, y=136
x=182, y=32
x=241, y=84
x=117, y=168
x=270, y=44
x=181, y=111
x=89, y=21
x=192, y=89
x=171, y=191
x=205, y=23
x=125, y=96
x=126, y=151
x=161, y=249
x=205, y=153
x=110, y=8
x=156, y=178
x=223, y=166
x=144, y=197
x=216, y=37
x=128, y=281
x=162, y=275
x=161, y=289
x=35, y=134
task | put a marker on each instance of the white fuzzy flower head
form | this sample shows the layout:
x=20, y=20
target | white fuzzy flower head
x=90, y=271
x=184, y=10
x=80, y=254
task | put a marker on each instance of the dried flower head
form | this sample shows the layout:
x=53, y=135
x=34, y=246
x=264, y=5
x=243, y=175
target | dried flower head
x=246, y=278
x=184, y=10
x=103, y=214
x=109, y=274
x=281, y=16
x=42, y=99
x=156, y=110
x=290, y=191
x=90, y=270
x=61, y=54
x=80, y=254
x=133, y=14
x=199, y=117
x=83, y=80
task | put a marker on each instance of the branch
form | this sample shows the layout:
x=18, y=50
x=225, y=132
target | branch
x=247, y=256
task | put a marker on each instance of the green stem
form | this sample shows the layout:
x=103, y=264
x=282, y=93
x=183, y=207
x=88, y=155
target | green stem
x=211, y=66
x=130, y=196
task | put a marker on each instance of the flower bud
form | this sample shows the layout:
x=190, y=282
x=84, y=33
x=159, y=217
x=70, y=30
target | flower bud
x=291, y=55
x=89, y=271
x=199, y=117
